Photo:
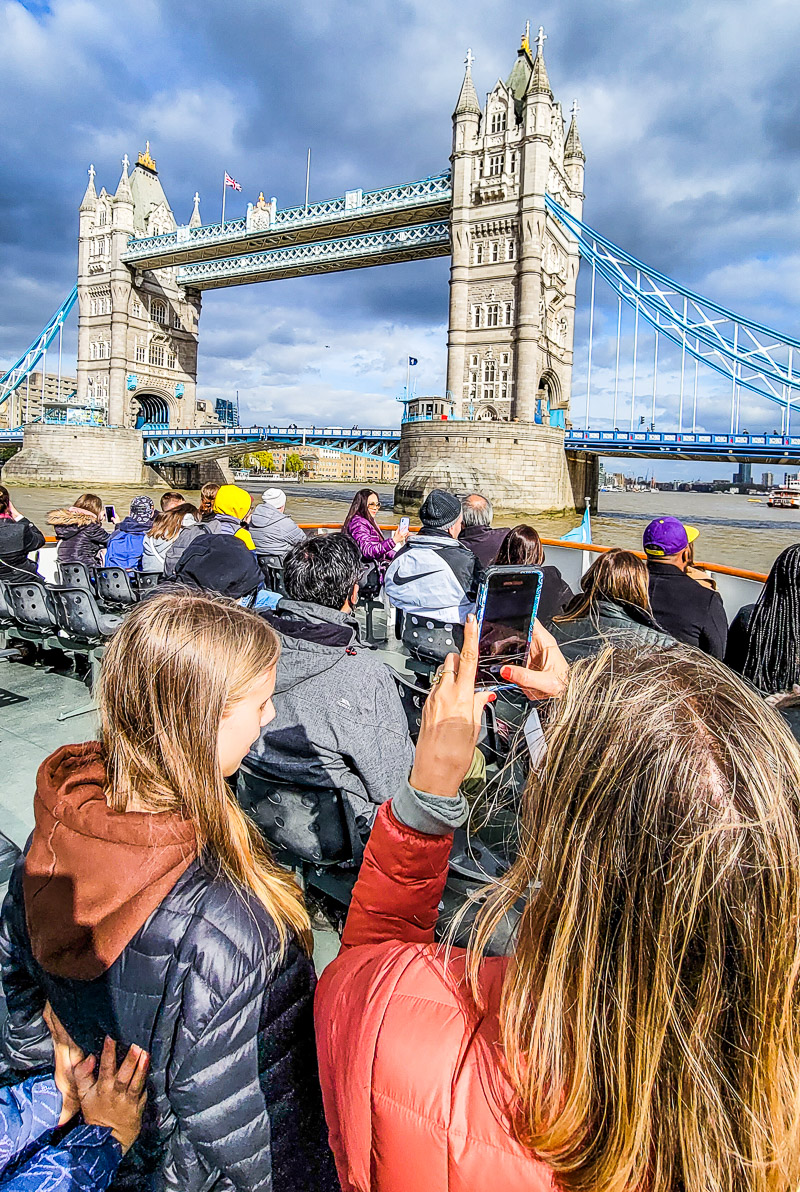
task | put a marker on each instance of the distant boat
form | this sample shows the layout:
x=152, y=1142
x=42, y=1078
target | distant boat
x=787, y=497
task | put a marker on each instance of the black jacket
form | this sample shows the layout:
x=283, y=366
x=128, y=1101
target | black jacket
x=484, y=541
x=689, y=611
x=556, y=593
x=80, y=536
x=739, y=639
x=608, y=624
x=234, y=1099
x=17, y=540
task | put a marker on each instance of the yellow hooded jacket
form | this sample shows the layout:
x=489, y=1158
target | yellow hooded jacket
x=235, y=502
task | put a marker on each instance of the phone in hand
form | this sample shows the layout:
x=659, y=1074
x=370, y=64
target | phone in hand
x=507, y=603
x=111, y=513
x=404, y=524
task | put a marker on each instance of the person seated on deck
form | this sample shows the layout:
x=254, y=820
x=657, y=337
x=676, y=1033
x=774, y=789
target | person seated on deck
x=477, y=532
x=207, y=496
x=231, y=507
x=764, y=637
x=79, y=529
x=435, y=575
x=18, y=537
x=338, y=720
x=171, y=500
x=272, y=530
x=652, y=993
x=612, y=608
x=126, y=544
x=164, y=532
x=690, y=611
x=222, y=564
x=360, y=524
x=109, y=1099
x=522, y=547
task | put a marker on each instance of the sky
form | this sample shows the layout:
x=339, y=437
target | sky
x=689, y=117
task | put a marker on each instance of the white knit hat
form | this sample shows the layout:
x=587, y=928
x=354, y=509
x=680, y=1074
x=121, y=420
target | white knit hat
x=275, y=497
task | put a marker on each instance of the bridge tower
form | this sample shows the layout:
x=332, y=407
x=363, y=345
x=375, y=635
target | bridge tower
x=512, y=300
x=137, y=330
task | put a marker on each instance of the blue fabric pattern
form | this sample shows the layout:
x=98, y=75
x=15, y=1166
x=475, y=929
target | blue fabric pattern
x=85, y=1161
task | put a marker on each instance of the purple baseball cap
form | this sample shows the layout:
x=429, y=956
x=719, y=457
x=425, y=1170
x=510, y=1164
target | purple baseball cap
x=667, y=536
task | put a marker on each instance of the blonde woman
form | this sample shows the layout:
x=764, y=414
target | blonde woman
x=148, y=908
x=644, y=1034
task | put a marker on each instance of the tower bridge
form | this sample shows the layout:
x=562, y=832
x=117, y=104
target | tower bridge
x=509, y=213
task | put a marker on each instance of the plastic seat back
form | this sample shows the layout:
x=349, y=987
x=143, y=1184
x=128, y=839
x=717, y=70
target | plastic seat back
x=429, y=639
x=114, y=586
x=75, y=575
x=78, y=614
x=145, y=581
x=413, y=700
x=272, y=569
x=6, y=611
x=308, y=822
x=32, y=607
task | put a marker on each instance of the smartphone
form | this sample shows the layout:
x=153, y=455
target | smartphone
x=506, y=609
x=111, y=513
x=404, y=524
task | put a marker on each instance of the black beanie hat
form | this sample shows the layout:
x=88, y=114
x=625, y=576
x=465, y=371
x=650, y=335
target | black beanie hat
x=219, y=563
x=440, y=509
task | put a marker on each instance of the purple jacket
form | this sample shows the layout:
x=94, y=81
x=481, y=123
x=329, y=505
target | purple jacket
x=373, y=546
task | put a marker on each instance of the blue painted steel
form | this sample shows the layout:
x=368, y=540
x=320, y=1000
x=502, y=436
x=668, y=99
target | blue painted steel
x=411, y=194
x=763, y=448
x=27, y=362
x=344, y=250
x=744, y=350
x=183, y=445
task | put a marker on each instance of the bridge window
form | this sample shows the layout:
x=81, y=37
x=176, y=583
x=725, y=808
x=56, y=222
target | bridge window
x=503, y=384
x=493, y=314
x=136, y=308
x=98, y=247
x=489, y=371
x=157, y=355
x=158, y=312
x=99, y=302
x=141, y=352
x=488, y=393
x=512, y=162
x=474, y=360
x=511, y=250
x=477, y=316
x=176, y=322
x=495, y=250
x=495, y=164
x=498, y=121
x=505, y=359
x=102, y=217
x=478, y=254
x=508, y=313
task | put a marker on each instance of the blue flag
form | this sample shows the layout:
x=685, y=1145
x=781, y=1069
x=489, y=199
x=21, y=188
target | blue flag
x=581, y=533
x=412, y=360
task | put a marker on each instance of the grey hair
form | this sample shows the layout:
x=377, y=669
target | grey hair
x=477, y=510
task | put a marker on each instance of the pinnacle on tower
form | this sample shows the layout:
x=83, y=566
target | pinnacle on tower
x=123, y=192
x=468, y=99
x=90, y=197
x=572, y=145
x=195, y=221
x=539, y=84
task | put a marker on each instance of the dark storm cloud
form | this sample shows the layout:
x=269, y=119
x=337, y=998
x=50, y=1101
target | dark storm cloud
x=689, y=118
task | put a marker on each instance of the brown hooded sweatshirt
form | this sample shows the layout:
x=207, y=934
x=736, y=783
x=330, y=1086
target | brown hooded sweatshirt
x=93, y=876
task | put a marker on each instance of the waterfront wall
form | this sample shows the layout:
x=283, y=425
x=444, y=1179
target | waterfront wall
x=80, y=456
x=521, y=467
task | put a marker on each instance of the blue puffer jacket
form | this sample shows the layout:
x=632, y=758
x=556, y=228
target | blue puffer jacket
x=84, y=1161
x=126, y=544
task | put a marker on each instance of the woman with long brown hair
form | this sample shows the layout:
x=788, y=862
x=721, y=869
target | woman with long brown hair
x=644, y=1033
x=612, y=608
x=522, y=547
x=148, y=908
x=165, y=529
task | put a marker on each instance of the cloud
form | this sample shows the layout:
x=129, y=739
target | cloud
x=690, y=130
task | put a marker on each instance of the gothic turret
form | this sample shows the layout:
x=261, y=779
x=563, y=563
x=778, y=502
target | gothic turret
x=90, y=195
x=540, y=83
x=574, y=157
x=468, y=98
x=123, y=191
x=195, y=221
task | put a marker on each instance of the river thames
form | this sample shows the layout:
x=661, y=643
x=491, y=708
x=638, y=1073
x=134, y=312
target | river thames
x=734, y=530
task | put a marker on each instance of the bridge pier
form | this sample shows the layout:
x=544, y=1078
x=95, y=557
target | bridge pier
x=80, y=456
x=521, y=466
x=195, y=475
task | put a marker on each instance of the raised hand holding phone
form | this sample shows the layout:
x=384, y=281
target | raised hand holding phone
x=547, y=671
x=451, y=721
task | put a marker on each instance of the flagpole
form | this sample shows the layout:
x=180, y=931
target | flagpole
x=223, y=202
x=308, y=174
x=408, y=377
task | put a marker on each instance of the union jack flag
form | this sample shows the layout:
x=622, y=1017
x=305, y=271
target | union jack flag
x=231, y=181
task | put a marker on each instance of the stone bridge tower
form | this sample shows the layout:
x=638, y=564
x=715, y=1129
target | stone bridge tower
x=137, y=329
x=512, y=304
x=514, y=270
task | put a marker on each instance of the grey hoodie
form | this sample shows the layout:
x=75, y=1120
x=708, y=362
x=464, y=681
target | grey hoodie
x=339, y=721
x=273, y=531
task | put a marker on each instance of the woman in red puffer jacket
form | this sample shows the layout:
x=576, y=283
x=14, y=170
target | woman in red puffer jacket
x=632, y=1039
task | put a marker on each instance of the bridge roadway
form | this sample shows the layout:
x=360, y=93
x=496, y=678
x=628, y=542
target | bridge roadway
x=162, y=445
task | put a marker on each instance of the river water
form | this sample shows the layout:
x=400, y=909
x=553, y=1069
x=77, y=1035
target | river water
x=733, y=529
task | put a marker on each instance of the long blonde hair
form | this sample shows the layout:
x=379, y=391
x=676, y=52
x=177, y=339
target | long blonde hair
x=170, y=673
x=617, y=575
x=650, y=1014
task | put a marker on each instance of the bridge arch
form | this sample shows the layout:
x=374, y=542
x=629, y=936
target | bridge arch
x=151, y=407
x=548, y=400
